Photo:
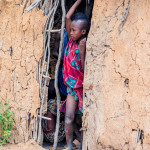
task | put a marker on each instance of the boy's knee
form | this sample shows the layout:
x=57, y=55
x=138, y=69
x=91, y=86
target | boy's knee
x=69, y=118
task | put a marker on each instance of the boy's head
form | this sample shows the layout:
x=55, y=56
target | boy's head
x=79, y=26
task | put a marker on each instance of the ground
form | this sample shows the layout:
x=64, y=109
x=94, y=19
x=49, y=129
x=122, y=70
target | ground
x=30, y=145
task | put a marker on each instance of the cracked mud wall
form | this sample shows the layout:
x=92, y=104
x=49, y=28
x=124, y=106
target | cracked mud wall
x=21, y=47
x=117, y=78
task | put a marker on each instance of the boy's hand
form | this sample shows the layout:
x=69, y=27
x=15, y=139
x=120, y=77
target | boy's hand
x=82, y=45
x=69, y=14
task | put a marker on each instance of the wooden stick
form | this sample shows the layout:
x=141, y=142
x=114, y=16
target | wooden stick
x=25, y=4
x=56, y=73
x=34, y=125
x=125, y=15
x=43, y=117
x=52, y=31
x=46, y=77
x=32, y=5
x=37, y=72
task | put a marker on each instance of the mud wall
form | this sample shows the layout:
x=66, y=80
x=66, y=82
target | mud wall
x=117, y=78
x=21, y=47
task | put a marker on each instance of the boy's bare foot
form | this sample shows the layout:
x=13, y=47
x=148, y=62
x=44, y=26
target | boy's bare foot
x=69, y=147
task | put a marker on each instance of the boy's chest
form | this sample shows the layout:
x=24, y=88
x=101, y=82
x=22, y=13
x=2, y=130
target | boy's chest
x=72, y=49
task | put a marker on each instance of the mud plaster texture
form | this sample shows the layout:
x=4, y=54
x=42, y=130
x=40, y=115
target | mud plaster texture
x=21, y=47
x=117, y=78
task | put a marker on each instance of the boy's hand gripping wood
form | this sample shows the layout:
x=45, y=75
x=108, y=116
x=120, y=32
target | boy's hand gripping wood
x=69, y=14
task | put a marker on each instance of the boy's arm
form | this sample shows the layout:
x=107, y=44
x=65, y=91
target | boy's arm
x=82, y=51
x=69, y=14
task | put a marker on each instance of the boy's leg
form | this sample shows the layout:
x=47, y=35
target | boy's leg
x=69, y=119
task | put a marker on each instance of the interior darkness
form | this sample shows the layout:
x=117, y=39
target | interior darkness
x=83, y=7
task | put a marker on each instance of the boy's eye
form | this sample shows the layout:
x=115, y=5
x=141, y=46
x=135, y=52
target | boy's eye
x=73, y=29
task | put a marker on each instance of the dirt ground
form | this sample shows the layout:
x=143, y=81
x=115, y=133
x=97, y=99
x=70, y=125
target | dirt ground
x=30, y=145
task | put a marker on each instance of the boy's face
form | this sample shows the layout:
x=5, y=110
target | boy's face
x=76, y=32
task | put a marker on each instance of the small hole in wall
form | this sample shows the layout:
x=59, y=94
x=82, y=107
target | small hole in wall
x=85, y=95
x=126, y=82
x=10, y=51
x=139, y=137
x=142, y=136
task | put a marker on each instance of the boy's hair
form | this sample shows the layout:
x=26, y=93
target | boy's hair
x=82, y=17
x=78, y=16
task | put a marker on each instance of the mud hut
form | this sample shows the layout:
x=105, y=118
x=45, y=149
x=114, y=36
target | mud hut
x=116, y=84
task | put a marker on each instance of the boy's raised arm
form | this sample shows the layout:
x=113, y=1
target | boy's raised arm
x=69, y=14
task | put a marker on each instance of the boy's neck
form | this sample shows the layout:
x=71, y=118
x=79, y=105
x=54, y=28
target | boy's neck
x=80, y=39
